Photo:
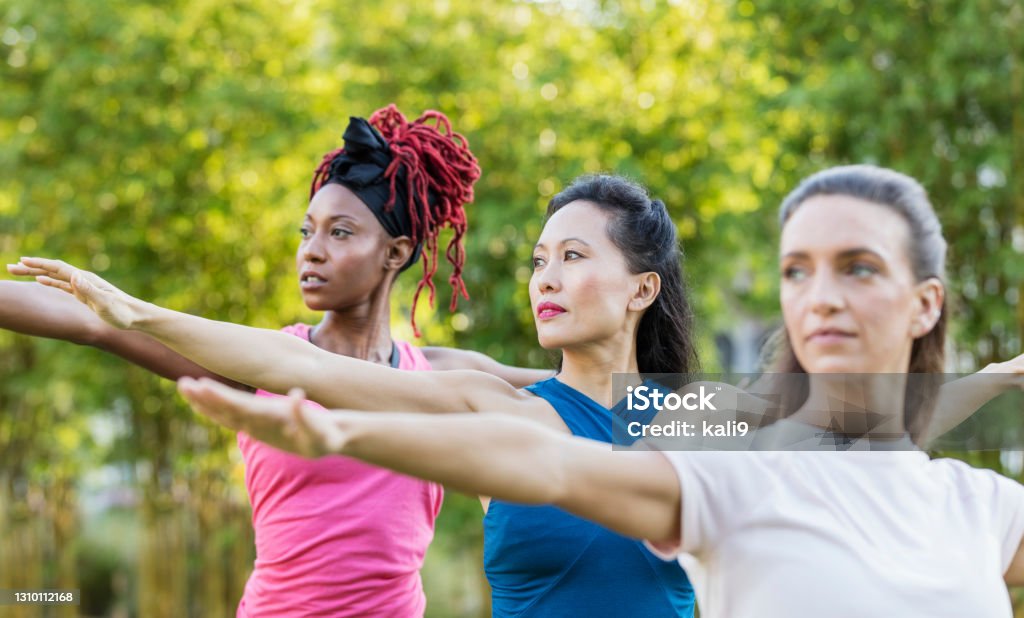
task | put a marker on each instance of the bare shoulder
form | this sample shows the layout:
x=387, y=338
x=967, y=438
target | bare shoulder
x=486, y=393
x=481, y=391
x=538, y=409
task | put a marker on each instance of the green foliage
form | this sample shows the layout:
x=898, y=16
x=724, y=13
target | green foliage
x=169, y=147
x=933, y=89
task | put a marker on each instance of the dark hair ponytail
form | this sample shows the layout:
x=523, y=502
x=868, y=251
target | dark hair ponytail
x=643, y=230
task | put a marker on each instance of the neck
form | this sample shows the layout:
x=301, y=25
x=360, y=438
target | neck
x=868, y=405
x=361, y=331
x=589, y=368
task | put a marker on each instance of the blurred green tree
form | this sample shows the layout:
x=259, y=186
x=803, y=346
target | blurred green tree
x=169, y=146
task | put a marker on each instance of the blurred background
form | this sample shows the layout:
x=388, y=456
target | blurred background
x=169, y=147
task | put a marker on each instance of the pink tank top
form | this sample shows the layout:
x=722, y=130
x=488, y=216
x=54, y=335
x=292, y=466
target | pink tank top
x=335, y=536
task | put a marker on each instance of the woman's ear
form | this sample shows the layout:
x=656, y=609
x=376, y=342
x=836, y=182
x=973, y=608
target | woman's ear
x=930, y=296
x=398, y=252
x=648, y=286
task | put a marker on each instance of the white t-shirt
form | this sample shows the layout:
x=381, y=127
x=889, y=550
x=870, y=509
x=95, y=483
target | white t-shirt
x=814, y=534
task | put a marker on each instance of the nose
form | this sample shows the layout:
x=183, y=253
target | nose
x=548, y=278
x=825, y=293
x=312, y=249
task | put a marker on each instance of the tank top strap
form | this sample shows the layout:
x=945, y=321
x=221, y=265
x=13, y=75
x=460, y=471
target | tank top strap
x=588, y=419
x=582, y=415
x=411, y=357
x=300, y=330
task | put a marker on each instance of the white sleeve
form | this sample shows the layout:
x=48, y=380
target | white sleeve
x=998, y=502
x=717, y=488
x=1008, y=515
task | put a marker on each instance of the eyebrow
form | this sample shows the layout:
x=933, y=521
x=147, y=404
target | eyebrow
x=564, y=241
x=334, y=218
x=845, y=254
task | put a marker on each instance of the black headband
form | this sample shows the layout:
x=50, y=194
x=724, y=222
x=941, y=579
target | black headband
x=361, y=167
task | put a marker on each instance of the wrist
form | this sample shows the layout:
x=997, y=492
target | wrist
x=1000, y=375
x=142, y=316
x=94, y=333
x=346, y=436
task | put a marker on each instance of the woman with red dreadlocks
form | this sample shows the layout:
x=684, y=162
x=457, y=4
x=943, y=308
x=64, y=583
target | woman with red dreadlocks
x=333, y=537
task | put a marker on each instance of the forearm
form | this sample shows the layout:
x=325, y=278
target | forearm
x=277, y=362
x=959, y=399
x=33, y=309
x=517, y=460
x=267, y=359
x=40, y=311
x=635, y=493
x=446, y=359
x=501, y=456
x=148, y=353
x=258, y=357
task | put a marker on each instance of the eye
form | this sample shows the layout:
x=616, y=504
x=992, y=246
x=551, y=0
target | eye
x=794, y=273
x=340, y=232
x=304, y=232
x=572, y=255
x=861, y=270
x=538, y=261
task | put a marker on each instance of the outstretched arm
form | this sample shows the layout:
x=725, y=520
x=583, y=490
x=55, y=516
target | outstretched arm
x=452, y=358
x=635, y=493
x=32, y=309
x=275, y=361
x=40, y=311
x=961, y=398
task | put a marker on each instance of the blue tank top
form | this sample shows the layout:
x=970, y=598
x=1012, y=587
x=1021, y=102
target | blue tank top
x=544, y=562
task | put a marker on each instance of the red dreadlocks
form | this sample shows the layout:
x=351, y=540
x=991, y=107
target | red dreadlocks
x=438, y=162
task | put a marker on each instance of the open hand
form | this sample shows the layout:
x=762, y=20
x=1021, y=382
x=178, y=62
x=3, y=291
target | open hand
x=1012, y=370
x=111, y=304
x=287, y=424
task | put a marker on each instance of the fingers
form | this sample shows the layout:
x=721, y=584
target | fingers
x=224, y=397
x=236, y=400
x=297, y=430
x=21, y=270
x=233, y=408
x=195, y=393
x=205, y=398
x=51, y=273
x=55, y=283
x=81, y=287
x=275, y=421
x=55, y=269
x=186, y=385
x=299, y=417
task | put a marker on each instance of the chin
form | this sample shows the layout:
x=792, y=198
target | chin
x=549, y=342
x=315, y=302
x=833, y=364
x=837, y=368
x=836, y=365
x=552, y=338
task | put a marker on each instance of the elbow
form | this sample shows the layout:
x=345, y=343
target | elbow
x=535, y=465
x=558, y=488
